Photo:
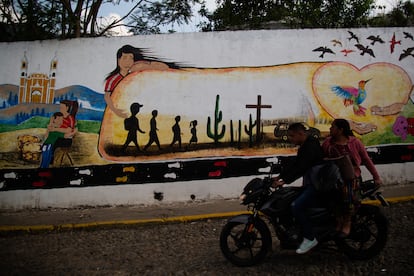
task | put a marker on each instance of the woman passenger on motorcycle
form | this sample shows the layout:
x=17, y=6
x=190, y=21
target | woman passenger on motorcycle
x=343, y=142
x=307, y=162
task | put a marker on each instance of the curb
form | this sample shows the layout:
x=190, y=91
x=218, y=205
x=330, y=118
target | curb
x=78, y=226
x=179, y=219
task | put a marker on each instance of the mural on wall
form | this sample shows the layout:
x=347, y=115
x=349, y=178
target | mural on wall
x=161, y=121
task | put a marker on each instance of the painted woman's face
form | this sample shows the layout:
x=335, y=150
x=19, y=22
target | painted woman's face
x=63, y=108
x=125, y=62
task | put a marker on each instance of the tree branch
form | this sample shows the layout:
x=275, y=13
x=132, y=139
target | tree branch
x=115, y=22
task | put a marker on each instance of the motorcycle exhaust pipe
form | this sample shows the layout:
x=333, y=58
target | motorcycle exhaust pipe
x=381, y=199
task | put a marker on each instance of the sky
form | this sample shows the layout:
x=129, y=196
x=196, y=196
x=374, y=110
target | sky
x=115, y=11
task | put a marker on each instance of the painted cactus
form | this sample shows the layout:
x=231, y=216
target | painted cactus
x=249, y=130
x=218, y=117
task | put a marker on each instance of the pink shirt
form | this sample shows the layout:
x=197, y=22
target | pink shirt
x=358, y=153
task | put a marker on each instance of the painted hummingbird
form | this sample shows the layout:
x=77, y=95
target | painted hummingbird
x=354, y=96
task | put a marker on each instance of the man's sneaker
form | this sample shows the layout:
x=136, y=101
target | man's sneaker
x=306, y=245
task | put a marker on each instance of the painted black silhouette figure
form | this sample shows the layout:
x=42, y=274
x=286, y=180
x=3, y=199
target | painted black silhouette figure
x=153, y=137
x=407, y=52
x=131, y=124
x=375, y=39
x=176, y=132
x=353, y=36
x=365, y=50
x=408, y=35
x=324, y=50
x=194, y=139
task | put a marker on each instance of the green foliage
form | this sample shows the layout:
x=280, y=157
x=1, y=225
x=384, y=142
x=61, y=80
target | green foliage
x=34, y=122
x=42, y=122
x=244, y=14
x=149, y=16
x=218, y=117
x=400, y=16
x=263, y=14
x=330, y=14
x=29, y=19
x=386, y=137
x=47, y=19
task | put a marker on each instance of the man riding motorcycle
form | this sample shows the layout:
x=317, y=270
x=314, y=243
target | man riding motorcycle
x=307, y=162
x=302, y=217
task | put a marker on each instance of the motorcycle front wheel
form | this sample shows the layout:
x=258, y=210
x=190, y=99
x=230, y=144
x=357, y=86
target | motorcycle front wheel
x=368, y=234
x=245, y=244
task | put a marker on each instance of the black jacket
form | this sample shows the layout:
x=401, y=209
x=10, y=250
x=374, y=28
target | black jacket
x=309, y=154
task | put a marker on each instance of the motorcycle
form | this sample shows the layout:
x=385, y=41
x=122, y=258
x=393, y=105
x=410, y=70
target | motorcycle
x=246, y=240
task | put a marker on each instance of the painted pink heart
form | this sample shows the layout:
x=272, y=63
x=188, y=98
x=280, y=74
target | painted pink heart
x=387, y=84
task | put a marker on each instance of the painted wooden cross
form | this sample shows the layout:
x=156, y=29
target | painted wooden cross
x=258, y=107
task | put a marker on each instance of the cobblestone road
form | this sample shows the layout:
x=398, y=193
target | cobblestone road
x=190, y=249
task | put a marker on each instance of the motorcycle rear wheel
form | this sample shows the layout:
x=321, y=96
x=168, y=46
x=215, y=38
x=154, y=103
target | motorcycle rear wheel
x=245, y=244
x=368, y=234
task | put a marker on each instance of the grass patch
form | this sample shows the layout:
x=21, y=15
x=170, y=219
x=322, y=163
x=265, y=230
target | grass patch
x=89, y=126
x=41, y=122
x=386, y=137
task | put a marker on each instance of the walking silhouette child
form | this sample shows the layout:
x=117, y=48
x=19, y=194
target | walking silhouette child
x=153, y=137
x=194, y=139
x=177, y=132
x=131, y=124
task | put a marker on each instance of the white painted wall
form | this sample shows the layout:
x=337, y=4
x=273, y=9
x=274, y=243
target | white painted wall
x=87, y=62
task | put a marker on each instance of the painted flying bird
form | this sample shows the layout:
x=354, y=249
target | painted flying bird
x=365, y=50
x=375, y=39
x=393, y=42
x=407, y=52
x=408, y=35
x=346, y=52
x=324, y=50
x=353, y=96
x=336, y=42
x=353, y=36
